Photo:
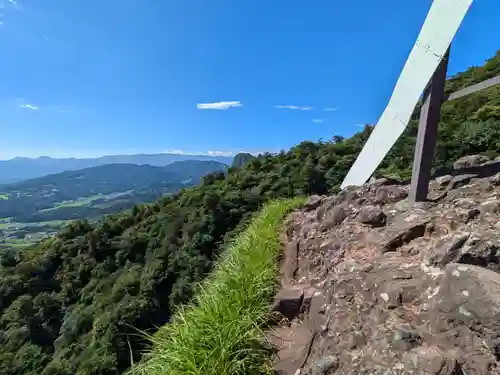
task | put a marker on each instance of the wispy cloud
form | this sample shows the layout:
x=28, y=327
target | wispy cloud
x=295, y=107
x=30, y=106
x=219, y=105
x=15, y=4
x=318, y=120
x=360, y=125
x=5, y=6
x=24, y=103
x=330, y=109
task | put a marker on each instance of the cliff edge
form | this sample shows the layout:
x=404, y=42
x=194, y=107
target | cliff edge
x=373, y=285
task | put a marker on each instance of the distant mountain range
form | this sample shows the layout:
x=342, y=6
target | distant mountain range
x=94, y=191
x=21, y=168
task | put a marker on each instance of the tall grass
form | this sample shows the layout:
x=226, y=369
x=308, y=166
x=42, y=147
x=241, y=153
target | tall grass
x=220, y=332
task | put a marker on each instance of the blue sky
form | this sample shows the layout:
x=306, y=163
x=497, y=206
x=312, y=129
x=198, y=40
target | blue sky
x=87, y=78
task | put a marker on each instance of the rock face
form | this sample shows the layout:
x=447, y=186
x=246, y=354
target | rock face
x=241, y=159
x=470, y=161
x=372, y=285
x=371, y=215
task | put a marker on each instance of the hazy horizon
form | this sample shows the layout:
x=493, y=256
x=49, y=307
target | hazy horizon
x=95, y=155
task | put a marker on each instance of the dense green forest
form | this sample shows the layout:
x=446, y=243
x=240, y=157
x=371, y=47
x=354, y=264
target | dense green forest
x=74, y=303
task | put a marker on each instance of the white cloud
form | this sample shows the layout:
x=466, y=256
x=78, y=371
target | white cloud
x=211, y=152
x=30, y=106
x=219, y=105
x=176, y=151
x=220, y=153
x=360, y=125
x=318, y=120
x=295, y=107
x=207, y=153
x=330, y=109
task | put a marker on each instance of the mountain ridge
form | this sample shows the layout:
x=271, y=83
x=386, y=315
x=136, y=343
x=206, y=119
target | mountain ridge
x=140, y=183
x=23, y=168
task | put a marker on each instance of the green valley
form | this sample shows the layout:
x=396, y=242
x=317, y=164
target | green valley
x=32, y=209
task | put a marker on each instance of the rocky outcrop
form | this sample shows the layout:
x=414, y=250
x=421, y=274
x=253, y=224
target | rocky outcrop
x=241, y=159
x=374, y=285
x=470, y=161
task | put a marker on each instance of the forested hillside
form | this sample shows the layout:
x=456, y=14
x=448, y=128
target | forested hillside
x=22, y=168
x=74, y=303
x=110, y=188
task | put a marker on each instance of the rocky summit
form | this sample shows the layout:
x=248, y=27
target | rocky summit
x=374, y=285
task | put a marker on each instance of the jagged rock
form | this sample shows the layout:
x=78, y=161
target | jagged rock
x=495, y=180
x=288, y=302
x=376, y=183
x=481, y=185
x=405, y=338
x=334, y=217
x=469, y=296
x=480, y=251
x=324, y=366
x=465, y=202
x=402, y=232
x=347, y=195
x=390, y=295
x=308, y=229
x=371, y=215
x=447, y=249
x=467, y=209
x=413, y=311
x=431, y=361
x=465, y=248
x=356, y=340
x=460, y=180
x=472, y=189
x=470, y=161
x=389, y=194
x=294, y=348
x=313, y=202
x=290, y=263
x=443, y=180
x=490, y=206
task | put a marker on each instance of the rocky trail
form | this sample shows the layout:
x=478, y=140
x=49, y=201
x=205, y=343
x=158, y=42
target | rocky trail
x=372, y=285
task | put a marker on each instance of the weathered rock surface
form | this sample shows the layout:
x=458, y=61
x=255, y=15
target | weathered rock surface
x=371, y=215
x=470, y=161
x=382, y=287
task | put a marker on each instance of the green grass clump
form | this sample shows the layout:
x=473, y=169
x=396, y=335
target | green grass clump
x=220, y=332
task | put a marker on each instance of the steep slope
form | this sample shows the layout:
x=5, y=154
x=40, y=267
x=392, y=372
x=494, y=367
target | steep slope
x=220, y=334
x=21, y=168
x=389, y=288
x=68, y=306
